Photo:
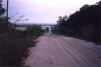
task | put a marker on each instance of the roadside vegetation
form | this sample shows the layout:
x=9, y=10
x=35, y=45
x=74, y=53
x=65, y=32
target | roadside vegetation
x=83, y=24
x=34, y=30
x=14, y=43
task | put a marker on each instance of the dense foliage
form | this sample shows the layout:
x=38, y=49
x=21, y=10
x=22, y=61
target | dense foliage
x=14, y=43
x=2, y=10
x=84, y=23
x=34, y=30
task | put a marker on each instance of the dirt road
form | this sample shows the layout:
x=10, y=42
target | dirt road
x=61, y=51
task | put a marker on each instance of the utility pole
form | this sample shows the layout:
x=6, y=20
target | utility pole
x=7, y=10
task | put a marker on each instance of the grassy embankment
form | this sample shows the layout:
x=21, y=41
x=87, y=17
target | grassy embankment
x=14, y=45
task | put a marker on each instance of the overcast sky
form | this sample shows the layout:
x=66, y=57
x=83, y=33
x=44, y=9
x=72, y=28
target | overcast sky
x=45, y=11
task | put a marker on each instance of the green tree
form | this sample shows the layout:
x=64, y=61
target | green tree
x=84, y=23
x=2, y=10
x=34, y=30
x=47, y=29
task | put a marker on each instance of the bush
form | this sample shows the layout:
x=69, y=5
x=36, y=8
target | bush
x=14, y=46
x=34, y=30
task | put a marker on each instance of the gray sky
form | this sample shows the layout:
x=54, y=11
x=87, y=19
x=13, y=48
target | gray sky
x=45, y=11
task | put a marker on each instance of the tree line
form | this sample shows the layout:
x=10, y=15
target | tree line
x=84, y=24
